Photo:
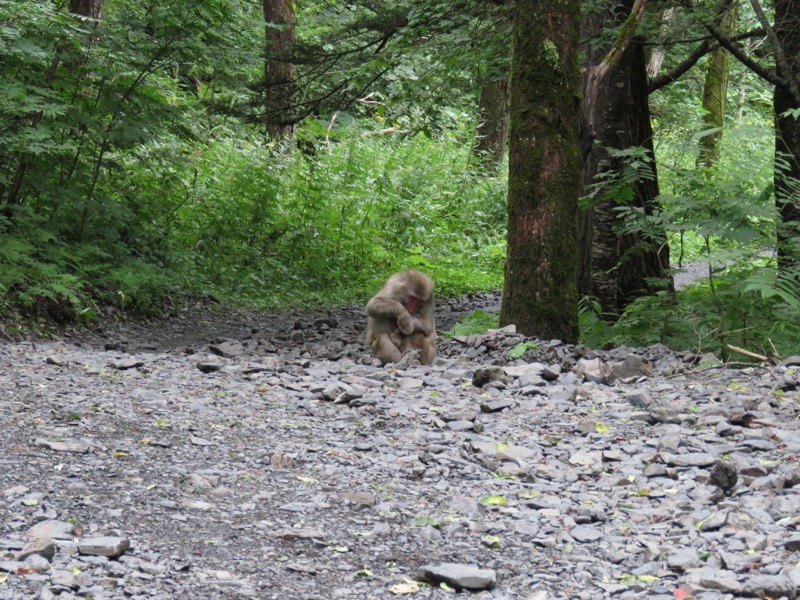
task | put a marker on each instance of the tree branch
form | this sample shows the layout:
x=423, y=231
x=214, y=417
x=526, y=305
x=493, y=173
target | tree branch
x=622, y=41
x=782, y=65
x=763, y=72
x=660, y=81
x=595, y=75
x=656, y=83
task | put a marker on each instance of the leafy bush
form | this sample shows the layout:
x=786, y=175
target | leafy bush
x=725, y=217
x=253, y=226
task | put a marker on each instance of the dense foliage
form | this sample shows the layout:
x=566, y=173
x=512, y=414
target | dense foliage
x=134, y=168
x=136, y=183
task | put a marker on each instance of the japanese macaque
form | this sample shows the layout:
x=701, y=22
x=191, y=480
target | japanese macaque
x=401, y=319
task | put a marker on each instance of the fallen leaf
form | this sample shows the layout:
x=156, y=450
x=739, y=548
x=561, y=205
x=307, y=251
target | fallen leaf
x=492, y=500
x=404, y=588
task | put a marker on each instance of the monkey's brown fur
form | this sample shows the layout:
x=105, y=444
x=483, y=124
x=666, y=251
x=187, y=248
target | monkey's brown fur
x=393, y=331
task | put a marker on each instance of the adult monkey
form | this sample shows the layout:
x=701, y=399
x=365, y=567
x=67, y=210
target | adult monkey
x=400, y=318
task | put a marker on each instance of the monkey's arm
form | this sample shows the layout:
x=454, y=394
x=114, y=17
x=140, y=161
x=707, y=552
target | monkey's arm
x=424, y=321
x=386, y=308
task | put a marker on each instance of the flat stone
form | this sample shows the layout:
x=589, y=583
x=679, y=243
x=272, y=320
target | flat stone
x=51, y=529
x=362, y=498
x=59, y=360
x=530, y=369
x=773, y=586
x=683, y=559
x=494, y=406
x=582, y=533
x=227, y=349
x=458, y=576
x=77, y=446
x=104, y=546
x=594, y=370
x=691, y=459
x=123, y=364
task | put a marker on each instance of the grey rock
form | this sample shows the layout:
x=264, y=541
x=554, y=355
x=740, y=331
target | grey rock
x=77, y=446
x=774, y=586
x=713, y=522
x=458, y=576
x=690, y=459
x=111, y=547
x=582, y=533
x=42, y=547
x=683, y=559
x=209, y=364
x=594, y=370
x=51, y=530
x=227, y=349
x=493, y=406
x=123, y=364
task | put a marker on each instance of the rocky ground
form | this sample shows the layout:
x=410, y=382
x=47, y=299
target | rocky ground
x=238, y=455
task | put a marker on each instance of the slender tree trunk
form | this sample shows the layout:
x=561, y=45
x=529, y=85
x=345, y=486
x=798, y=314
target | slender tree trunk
x=715, y=92
x=787, y=135
x=658, y=55
x=540, y=294
x=91, y=9
x=493, y=124
x=279, y=71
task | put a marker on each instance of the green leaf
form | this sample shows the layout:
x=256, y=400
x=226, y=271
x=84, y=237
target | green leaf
x=521, y=349
x=601, y=427
x=492, y=501
x=424, y=521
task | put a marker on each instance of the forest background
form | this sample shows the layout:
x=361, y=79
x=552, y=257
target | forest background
x=277, y=154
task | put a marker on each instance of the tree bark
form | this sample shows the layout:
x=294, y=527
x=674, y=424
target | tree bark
x=492, y=130
x=92, y=9
x=279, y=69
x=660, y=52
x=540, y=293
x=787, y=135
x=616, y=268
x=715, y=91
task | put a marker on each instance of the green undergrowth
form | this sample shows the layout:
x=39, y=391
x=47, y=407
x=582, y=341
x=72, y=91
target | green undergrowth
x=751, y=309
x=724, y=217
x=234, y=219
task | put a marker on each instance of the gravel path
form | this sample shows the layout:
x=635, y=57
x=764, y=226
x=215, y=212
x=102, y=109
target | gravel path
x=251, y=456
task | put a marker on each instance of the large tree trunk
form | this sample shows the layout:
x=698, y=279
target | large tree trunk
x=540, y=294
x=614, y=267
x=715, y=92
x=787, y=135
x=493, y=124
x=279, y=71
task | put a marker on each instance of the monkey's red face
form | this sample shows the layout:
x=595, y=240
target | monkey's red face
x=412, y=303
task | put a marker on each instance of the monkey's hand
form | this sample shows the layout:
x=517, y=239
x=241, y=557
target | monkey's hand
x=405, y=323
x=420, y=326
